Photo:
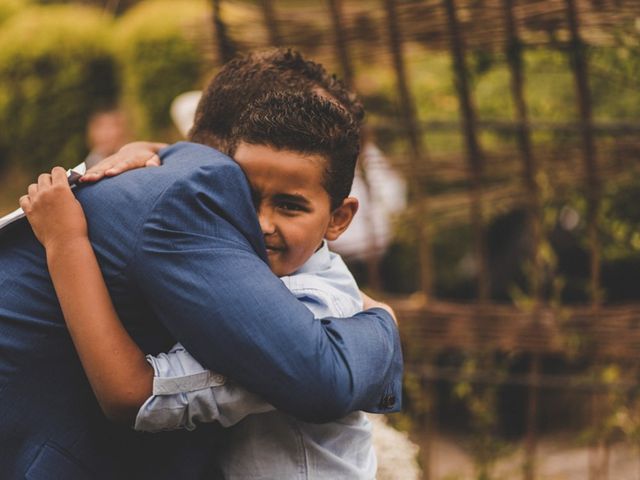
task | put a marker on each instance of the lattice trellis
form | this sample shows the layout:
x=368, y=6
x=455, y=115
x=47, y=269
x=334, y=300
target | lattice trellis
x=380, y=31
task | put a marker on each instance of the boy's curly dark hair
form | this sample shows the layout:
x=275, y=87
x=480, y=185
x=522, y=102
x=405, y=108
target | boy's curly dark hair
x=248, y=78
x=305, y=123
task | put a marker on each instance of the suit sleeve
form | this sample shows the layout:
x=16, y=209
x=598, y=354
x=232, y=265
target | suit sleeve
x=220, y=300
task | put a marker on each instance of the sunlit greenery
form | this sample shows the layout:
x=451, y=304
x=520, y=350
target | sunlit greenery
x=161, y=51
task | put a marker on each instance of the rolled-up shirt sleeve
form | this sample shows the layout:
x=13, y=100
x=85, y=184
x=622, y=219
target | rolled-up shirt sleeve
x=185, y=394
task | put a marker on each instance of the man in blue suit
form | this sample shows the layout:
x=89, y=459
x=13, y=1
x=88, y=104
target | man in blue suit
x=183, y=257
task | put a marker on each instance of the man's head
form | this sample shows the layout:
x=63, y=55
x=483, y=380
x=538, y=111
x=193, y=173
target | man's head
x=299, y=153
x=248, y=78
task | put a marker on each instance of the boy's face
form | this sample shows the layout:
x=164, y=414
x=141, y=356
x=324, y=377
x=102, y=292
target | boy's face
x=293, y=207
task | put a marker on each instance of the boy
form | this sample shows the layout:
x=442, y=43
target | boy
x=298, y=152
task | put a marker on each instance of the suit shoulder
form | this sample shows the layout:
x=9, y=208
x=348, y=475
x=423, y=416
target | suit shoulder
x=186, y=157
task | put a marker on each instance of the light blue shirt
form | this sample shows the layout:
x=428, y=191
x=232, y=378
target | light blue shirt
x=273, y=444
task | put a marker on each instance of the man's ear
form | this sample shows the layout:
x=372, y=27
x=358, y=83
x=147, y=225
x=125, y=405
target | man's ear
x=341, y=218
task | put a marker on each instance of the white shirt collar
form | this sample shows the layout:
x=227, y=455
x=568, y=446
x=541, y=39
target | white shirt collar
x=319, y=261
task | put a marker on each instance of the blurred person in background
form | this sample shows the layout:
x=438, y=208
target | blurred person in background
x=107, y=132
x=382, y=193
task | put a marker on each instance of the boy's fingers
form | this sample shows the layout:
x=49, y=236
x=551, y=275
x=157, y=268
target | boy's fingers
x=25, y=203
x=44, y=180
x=32, y=190
x=122, y=160
x=119, y=167
x=104, y=165
x=139, y=161
x=59, y=176
x=95, y=173
x=92, y=176
x=154, y=161
x=155, y=146
x=369, y=302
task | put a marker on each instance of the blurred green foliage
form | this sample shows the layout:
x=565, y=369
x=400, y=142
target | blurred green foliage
x=58, y=64
x=621, y=218
x=158, y=61
x=116, y=7
x=549, y=90
x=61, y=63
x=9, y=8
x=55, y=69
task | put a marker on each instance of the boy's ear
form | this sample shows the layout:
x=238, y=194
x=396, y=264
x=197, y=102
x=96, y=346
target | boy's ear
x=341, y=218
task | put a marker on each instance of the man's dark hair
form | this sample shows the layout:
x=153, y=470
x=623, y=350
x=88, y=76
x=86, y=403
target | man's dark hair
x=305, y=123
x=250, y=77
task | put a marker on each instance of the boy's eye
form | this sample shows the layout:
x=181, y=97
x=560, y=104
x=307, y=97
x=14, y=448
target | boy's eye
x=291, y=207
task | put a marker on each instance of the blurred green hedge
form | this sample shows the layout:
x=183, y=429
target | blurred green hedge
x=9, y=8
x=159, y=59
x=58, y=64
x=55, y=69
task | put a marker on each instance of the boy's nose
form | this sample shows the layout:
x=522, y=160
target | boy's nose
x=266, y=224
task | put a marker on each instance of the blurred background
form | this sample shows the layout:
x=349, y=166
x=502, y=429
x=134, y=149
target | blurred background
x=500, y=179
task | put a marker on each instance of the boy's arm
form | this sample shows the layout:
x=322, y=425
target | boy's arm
x=185, y=394
x=116, y=368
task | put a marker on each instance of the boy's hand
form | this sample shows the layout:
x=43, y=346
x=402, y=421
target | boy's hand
x=131, y=156
x=56, y=217
x=369, y=302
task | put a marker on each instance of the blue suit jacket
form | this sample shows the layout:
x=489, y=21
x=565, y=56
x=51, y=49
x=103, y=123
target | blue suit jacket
x=182, y=254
